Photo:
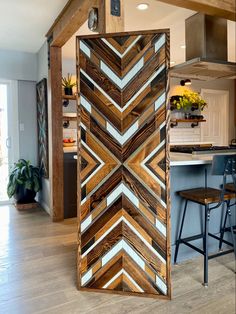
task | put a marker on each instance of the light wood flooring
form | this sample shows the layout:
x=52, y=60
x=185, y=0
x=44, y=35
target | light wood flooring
x=38, y=275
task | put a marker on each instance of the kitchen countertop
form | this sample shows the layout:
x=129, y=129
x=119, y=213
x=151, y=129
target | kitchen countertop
x=191, y=143
x=176, y=159
x=181, y=159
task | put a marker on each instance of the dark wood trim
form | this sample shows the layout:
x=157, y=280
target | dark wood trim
x=168, y=199
x=133, y=294
x=72, y=17
x=144, y=32
x=221, y=8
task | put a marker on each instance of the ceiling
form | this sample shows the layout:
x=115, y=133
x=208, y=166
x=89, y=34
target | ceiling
x=25, y=23
x=158, y=16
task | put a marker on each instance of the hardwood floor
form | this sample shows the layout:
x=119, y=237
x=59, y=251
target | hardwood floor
x=38, y=275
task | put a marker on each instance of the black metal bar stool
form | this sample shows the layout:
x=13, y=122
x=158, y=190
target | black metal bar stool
x=223, y=165
x=231, y=187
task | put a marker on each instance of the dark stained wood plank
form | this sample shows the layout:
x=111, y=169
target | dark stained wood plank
x=101, y=193
x=139, y=276
x=144, y=195
x=148, y=256
x=104, y=218
x=105, y=245
x=158, y=238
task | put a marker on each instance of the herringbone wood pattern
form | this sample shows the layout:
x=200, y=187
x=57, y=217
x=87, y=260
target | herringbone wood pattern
x=124, y=207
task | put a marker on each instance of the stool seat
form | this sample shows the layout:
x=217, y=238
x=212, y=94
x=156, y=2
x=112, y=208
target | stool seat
x=210, y=199
x=205, y=196
x=230, y=187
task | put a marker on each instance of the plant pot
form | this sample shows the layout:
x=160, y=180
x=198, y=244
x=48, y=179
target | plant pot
x=68, y=91
x=194, y=107
x=24, y=196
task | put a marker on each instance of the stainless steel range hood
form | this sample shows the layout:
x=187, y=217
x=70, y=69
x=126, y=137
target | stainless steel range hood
x=206, y=50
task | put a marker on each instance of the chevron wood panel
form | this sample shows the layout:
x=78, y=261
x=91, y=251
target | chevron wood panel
x=123, y=157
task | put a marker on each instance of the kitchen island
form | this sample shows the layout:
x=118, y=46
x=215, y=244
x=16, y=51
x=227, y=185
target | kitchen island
x=188, y=171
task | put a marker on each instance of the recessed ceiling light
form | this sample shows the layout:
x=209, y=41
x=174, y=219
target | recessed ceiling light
x=142, y=6
x=183, y=46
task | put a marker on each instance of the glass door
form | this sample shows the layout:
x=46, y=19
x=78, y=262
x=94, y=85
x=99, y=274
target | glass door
x=9, y=136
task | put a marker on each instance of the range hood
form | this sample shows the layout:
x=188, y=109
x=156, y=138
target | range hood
x=206, y=50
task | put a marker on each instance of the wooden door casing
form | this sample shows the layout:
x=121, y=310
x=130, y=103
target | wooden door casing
x=123, y=164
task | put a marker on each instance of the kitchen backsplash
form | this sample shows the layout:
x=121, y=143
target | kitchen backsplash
x=184, y=134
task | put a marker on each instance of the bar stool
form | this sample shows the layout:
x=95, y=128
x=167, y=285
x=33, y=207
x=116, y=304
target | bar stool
x=223, y=165
x=231, y=187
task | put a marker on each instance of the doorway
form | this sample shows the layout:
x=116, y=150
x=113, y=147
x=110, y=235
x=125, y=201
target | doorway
x=216, y=113
x=9, y=134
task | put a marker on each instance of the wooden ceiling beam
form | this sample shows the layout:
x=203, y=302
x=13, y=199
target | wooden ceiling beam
x=69, y=21
x=75, y=14
x=72, y=17
x=221, y=8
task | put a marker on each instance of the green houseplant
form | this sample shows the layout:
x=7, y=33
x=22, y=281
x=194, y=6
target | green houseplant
x=188, y=101
x=24, y=182
x=68, y=84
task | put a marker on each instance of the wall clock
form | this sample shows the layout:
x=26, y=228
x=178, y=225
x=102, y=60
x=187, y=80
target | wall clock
x=93, y=19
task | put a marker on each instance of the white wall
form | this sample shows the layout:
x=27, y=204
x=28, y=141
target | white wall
x=42, y=62
x=27, y=69
x=22, y=68
x=45, y=197
x=28, y=138
x=16, y=65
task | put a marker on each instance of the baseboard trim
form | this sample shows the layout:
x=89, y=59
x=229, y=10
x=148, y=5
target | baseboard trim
x=45, y=207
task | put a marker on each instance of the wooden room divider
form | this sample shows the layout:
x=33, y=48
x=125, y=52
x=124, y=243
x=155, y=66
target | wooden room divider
x=123, y=164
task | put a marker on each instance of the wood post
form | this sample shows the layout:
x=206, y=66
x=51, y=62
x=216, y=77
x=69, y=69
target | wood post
x=56, y=162
x=109, y=23
x=69, y=21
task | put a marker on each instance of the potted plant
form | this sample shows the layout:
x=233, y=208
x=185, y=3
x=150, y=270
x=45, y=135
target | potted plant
x=188, y=101
x=68, y=84
x=24, y=182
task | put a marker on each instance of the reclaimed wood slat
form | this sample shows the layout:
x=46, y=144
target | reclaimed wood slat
x=124, y=191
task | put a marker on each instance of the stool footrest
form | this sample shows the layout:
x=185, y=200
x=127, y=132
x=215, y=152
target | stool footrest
x=218, y=238
x=199, y=236
x=192, y=238
x=203, y=253
x=192, y=246
x=220, y=253
x=227, y=229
